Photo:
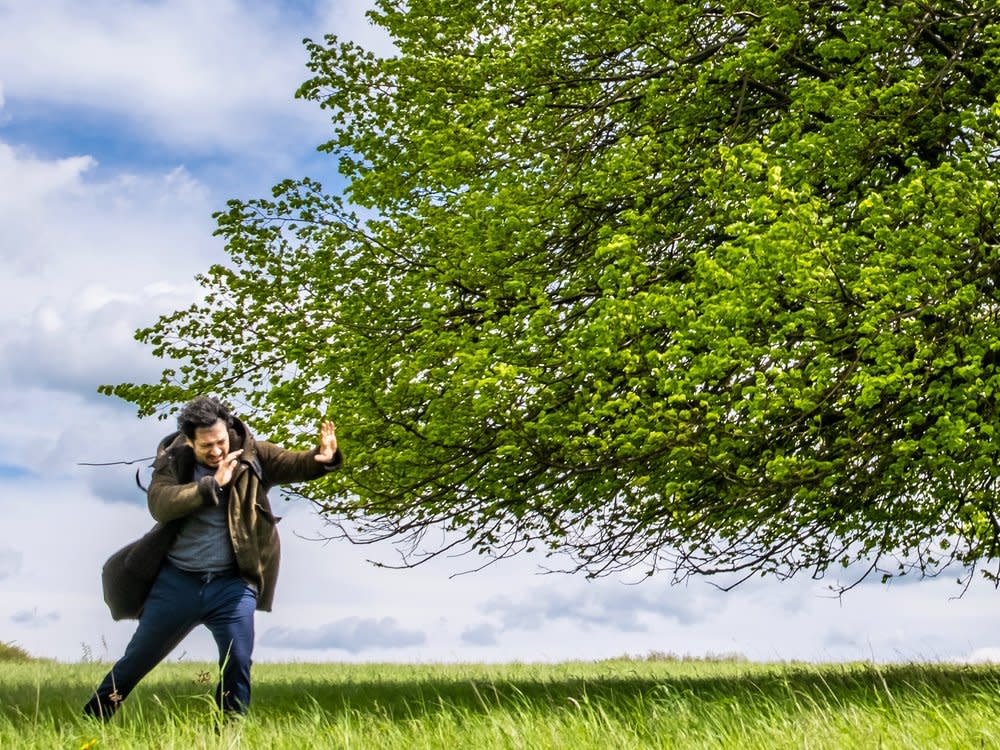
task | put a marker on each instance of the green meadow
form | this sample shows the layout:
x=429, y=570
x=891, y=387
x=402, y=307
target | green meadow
x=625, y=703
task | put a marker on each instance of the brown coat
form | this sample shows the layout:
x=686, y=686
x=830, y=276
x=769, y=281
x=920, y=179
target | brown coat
x=253, y=529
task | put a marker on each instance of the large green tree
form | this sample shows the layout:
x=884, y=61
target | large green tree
x=697, y=286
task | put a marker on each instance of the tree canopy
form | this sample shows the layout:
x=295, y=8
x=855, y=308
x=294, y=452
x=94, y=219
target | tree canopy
x=688, y=286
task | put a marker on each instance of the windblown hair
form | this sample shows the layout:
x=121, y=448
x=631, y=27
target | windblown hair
x=203, y=411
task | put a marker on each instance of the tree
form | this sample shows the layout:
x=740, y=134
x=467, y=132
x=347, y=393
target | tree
x=704, y=287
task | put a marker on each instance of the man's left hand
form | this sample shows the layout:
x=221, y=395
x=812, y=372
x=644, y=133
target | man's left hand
x=327, y=443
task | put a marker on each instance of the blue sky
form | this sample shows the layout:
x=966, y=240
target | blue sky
x=123, y=126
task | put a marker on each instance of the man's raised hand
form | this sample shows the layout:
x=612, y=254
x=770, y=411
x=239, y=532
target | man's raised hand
x=224, y=471
x=327, y=442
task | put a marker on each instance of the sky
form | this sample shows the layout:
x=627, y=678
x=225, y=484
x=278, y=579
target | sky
x=124, y=124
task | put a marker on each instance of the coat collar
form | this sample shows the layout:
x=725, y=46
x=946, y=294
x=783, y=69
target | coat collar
x=175, y=447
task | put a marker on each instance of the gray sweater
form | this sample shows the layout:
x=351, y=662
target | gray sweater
x=203, y=544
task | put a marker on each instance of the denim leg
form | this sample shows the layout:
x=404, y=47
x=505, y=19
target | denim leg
x=170, y=613
x=228, y=611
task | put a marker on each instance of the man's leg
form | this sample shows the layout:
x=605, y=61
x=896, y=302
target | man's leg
x=170, y=612
x=228, y=610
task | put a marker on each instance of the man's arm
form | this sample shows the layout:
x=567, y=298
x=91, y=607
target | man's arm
x=169, y=499
x=283, y=466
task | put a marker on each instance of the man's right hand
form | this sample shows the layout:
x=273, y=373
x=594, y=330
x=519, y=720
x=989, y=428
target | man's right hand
x=224, y=471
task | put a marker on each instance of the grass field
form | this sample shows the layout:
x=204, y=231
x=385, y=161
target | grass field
x=600, y=705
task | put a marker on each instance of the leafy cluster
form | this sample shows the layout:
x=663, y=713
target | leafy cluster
x=699, y=286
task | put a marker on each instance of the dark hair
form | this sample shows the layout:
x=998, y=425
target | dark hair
x=203, y=411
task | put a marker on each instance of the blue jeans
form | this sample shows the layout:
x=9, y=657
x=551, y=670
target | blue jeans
x=179, y=601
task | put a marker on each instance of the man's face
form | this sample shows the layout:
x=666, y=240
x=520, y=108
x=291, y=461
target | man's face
x=210, y=444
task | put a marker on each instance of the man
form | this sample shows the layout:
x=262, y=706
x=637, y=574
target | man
x=210, y=482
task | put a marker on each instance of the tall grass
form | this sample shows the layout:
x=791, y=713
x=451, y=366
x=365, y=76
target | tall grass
x=600, y=705
x=13, y=652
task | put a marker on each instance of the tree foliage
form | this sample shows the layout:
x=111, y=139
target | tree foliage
x=702, y=287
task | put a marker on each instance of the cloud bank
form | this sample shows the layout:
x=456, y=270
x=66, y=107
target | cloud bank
x=351, y=634
x=625, y=608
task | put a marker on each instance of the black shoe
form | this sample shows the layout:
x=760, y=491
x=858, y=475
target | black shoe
x=102, y=710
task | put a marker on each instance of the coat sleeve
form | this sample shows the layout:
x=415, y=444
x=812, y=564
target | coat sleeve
x=283, y=466
x=169, y=499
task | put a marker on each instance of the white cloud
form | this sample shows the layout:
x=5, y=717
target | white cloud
x=483, y=634
x=602, y=604
x=115, y=483
x=349, y=21
x=90, y=261
x=986, y=655
x=186, y=71
x=64, y=346
x=32, y=618
x=64, y=199
x=45, y=434
x=352, y=634
x=10, y=562
x=65, y=232
x=32, y=229
x=202, y=76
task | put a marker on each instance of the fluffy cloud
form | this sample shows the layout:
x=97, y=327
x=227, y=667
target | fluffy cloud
x=10, y=562
x=63, y=216
x=483, y=634
x=986, y=655
x=32, y=618
x=352, y=634
x=193, y=75
x=60, y=348
x=188, y=73
x=838, y=638
x=603, y=605
x=88, y=261
x=116, y=483
x=88, y=258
